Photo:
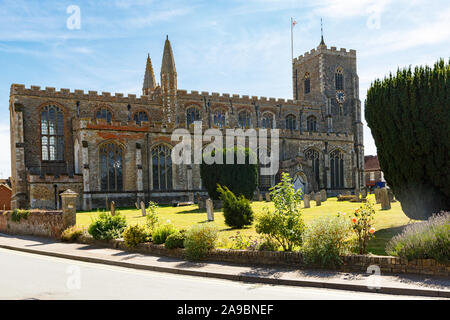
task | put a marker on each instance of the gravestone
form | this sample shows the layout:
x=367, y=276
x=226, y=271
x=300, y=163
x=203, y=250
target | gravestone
x=377, y=195
x=113, y=208
x=384, y=199
x=364, y=193
x=210, y=209
x=260, y=197
x=306, y=199
x=323, y=195
x=268, y=197
x=318, y=198
x=191, y=197
x=391, y=195
x=137, y=206
x=143, y=209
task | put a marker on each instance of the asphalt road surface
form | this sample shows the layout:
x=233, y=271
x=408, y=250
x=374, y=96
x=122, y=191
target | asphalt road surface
x=31, y=276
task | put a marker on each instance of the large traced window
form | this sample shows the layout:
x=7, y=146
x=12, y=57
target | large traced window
x=307, y=83
x=267, y=120
x=104, y=113
x=140, y=116
x=314, y=156
x=337, y=169
x=52, y=133
x=244, y=119
x=162, y=168
x=192, y=115
x=339, y=79
x=312, y=124
x=111, y=167
x=219, y=118
x=291, y=122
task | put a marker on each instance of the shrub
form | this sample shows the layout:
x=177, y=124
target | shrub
x=200, y=239
x=241, y=179
x=284, y=225
x=71, y=234
x=160, y=233
x=175, y=240
x=408, y=114
x=326, y=239
x=425, y=240
x=267, y=245
x=19, y=214
x=135, y=234
x=107, y=227
x=241, y=242
x=363, y=219
x=236, y=210
x=151, y=215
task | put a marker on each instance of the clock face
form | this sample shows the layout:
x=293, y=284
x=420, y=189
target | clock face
x=340, y=96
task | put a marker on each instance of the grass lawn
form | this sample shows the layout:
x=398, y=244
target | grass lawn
x=387, y=223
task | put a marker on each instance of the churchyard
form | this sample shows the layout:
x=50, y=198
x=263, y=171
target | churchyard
x=387, y=222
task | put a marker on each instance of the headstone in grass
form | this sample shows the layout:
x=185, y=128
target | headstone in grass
x=323, y=195
x=268, y=197
x=137, y=206
x=260, y=196
x=113, y=208
x=377, y=195
x=306, y=199
x=143, y=209
x=317, y=198
x=210, y=209
x=384, y=199
x=364, y=193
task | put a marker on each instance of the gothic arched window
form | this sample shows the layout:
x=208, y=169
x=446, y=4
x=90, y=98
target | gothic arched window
x=307, y=83
x=312, y=124
x=314, y=156
x=111, y=167
x=267, y=120
x=162, y=168
x=104, y=113
x=291, y=122
x=192, y=115
x=339, y=79
x=52, y=133
x=337, y=169
x=140, y=116
x=219, y=118
x=244, y=119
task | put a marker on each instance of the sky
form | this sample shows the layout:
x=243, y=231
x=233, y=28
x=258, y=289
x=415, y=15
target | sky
x=225, y=46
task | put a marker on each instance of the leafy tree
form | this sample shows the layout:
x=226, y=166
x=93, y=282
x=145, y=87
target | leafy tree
x=409, y=116
x=285, y=224
x=241, y=179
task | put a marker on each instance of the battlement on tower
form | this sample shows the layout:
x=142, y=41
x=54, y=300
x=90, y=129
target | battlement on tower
x=327, y=50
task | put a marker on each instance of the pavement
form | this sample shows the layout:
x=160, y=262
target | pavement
x=405, y=285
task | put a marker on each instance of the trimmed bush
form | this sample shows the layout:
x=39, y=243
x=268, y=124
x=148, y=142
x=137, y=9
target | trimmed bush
x=241, y=179
x=200, y=239
x=326, y=239
x=236, y=210
x=160, y=233
x=71, y=234
x=425, y=240
x=408, y=114
x=135, y=234
x=175, y=240
x=107, y=227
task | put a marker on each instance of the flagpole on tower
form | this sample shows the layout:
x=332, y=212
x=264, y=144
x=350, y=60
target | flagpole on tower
x=292, y=40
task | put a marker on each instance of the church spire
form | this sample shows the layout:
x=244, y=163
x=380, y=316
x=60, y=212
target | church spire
x=149, y=78
x=169, y=83
x=168, y=62
x=322, y=42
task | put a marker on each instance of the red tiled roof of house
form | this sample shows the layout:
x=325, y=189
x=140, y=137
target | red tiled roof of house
x=371, y=163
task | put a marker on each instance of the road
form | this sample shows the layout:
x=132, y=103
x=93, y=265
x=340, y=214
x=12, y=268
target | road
x=31, y=276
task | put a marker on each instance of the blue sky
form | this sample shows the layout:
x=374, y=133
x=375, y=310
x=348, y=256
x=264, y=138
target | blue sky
x=229, y=46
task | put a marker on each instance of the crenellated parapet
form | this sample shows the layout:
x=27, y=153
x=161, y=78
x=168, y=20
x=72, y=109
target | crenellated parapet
x=106, y=97
x=324, y=49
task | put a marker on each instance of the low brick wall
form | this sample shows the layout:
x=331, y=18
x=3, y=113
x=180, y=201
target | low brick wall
x=38, y=223
x=355, y=263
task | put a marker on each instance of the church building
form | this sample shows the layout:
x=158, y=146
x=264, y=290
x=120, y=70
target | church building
x=112, y=147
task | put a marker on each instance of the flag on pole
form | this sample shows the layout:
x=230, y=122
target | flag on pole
x=294, y=23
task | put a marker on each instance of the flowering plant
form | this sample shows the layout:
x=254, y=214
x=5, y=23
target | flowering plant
x=362, y=222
